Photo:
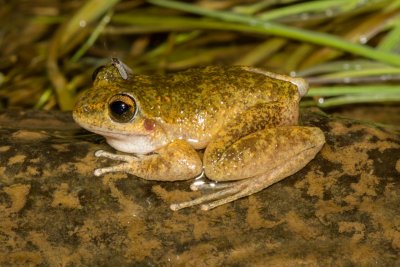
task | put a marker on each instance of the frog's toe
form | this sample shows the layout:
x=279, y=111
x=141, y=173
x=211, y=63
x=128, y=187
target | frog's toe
x=125, y=167
x=108, y=155
x=221, y=197
x=99, y=172
x=219, y=202
x=99, y=153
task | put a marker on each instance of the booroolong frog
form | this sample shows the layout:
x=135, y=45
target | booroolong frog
x=245, y=118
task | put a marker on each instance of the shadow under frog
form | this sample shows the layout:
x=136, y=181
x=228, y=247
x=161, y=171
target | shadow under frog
x=245, y=118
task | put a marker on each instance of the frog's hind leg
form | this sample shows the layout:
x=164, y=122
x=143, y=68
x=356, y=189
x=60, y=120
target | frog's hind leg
x=255, y=184
x=281, y=152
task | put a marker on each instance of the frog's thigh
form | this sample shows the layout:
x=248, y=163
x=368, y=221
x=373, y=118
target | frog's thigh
x=285, y=149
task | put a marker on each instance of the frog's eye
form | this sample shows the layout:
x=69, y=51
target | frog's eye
x=95, y=72
x=122, y=108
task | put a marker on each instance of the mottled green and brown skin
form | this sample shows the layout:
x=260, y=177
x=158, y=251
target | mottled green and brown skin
x=245, y=118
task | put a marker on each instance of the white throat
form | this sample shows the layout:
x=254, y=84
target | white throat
x=139, y=144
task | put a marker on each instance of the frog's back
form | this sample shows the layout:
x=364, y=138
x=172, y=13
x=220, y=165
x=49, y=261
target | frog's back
x=231, y=85
x=213, y=89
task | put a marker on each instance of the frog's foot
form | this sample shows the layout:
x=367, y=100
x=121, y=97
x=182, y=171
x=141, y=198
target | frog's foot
x=230, y=192
x=124, y=167
x=234, y=190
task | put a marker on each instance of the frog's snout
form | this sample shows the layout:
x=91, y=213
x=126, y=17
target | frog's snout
x=79, y=110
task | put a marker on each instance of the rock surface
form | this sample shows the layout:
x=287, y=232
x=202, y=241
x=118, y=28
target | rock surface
x=343, y=208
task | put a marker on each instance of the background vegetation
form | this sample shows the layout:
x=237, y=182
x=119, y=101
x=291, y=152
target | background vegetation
x=348, y=50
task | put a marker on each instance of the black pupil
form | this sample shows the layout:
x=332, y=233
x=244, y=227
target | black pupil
x=122, y=108
x=119, y=107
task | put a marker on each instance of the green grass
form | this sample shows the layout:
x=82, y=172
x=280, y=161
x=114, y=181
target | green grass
x=348, y=50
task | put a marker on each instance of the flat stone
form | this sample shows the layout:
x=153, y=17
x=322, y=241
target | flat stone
x=343, y=208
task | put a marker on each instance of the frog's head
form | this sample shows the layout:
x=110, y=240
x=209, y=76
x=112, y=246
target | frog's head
x=110, y=109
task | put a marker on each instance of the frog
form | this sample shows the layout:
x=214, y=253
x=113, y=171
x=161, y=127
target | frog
x=244, y=119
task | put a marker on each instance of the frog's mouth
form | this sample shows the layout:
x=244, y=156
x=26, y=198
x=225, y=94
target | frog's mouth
x=108, y=133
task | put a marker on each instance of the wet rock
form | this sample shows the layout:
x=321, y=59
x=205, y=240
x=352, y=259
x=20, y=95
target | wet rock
x=343, y=208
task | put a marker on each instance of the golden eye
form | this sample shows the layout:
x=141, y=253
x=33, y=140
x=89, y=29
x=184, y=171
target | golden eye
x=122, y=108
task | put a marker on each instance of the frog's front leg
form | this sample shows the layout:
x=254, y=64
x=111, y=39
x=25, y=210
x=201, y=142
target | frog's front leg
x=175, y=161
x=258, y=160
